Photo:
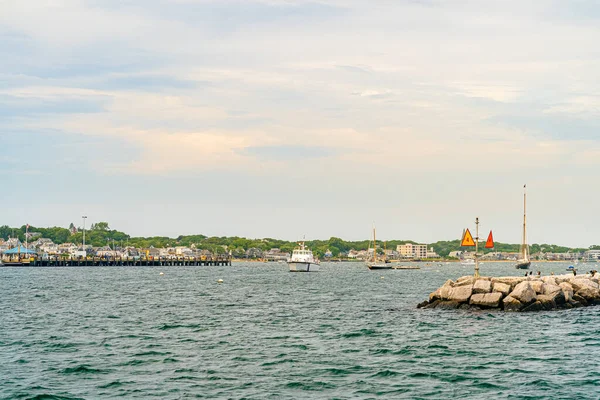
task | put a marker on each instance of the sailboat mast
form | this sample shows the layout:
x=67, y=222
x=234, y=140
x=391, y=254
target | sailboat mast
x=524, y=242
x=374, y=245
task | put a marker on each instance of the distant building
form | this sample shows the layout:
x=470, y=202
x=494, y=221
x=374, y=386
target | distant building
x=591, y=255
x=410, y=250
x=432, y=254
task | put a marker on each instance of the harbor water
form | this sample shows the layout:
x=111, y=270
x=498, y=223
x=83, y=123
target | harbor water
x=344, y=332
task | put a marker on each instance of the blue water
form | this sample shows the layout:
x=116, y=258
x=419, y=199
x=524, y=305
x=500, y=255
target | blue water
x=344, y=332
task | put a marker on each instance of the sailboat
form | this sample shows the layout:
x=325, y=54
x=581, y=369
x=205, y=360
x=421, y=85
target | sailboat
x=524, y=262
x=374, y=262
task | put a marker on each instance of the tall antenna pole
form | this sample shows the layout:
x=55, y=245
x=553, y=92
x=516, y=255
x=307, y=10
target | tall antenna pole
x=477, y=247
x=84, y=218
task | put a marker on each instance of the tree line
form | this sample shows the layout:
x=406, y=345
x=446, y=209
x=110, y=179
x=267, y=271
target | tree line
x=100, y=234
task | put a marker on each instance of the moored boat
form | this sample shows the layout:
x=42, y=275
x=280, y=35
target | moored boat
x=374, y=262
x=303, y=260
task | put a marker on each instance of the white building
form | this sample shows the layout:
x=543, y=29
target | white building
x=410, y=250
x=591, y=255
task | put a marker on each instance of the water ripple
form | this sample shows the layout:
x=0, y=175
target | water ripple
x=70, y=333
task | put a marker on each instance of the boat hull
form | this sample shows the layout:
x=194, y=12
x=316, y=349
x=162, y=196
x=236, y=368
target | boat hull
x=296, y=266
x=379, y=266
x=523, y=265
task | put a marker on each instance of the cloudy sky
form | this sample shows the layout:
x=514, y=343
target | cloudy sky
x=284, y=118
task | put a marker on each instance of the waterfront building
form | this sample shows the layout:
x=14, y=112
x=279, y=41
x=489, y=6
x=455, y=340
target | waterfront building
x=410, y=250
x=592, y=255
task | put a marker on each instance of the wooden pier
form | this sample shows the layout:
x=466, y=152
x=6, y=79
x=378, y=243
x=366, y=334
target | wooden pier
x=58, y=261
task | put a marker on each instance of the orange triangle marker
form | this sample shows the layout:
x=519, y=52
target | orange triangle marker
x=467, y=240
x=490, y=241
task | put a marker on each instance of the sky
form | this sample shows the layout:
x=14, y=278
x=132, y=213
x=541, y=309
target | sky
x=289, y=118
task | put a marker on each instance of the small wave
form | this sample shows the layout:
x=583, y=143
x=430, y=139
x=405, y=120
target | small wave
x=384, y=373
x=284, y=361
x=381, y=351
x=52, y=397
x=151, y=353
x=362, y=332
x=82, y=369
x=113, y=384
x=438, y=346
x=312, y=386
x=340, y=371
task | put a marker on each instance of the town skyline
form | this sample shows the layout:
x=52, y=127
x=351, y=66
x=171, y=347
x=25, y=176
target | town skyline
x=75, y=236
x=288, y=118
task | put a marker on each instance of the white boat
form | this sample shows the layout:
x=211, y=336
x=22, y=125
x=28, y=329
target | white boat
x=303, y=260
x=375, y=262
x=469, y=261
x=524, y=261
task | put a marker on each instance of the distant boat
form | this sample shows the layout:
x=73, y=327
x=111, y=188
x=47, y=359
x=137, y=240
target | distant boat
x=375, y=262
x=469, y=261
x=524, y=261
x=303, y=260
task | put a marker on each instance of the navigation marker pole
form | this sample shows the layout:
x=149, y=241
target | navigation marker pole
x=476, y=247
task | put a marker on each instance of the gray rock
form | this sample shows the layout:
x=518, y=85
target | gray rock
x=558, y=298
x=524, y=293
x=547, y=301
x=460, y=294
x=549, y=280
x=583, y=283
x=538, y=286
x=423, y=304
x=535, y=306
x=512, y=281
x=567, y=290
x=580, y=299
x=589, y=294
x=448, y=305
x=432, y=304
x=511, y=304
x=465, y=281
x=551, y=289
x=575, y=304
x=486, y=299
x=482, y=286
x=502, y=288
x=443, y=292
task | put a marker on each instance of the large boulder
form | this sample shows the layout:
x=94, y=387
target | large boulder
x=537, y=285
x=509, y=280
x=465, y=281
x=482, y=286
x=486, y=299
x=502, y=288
x=546, y=301
x=535, y=306
x=589, y=294
x=567, y=290
x=579, y=299
x=549, y=280
x=460, y=294
x=563, y=278
x=448, y=305
x=511, y=304
x=524, y=293
x=551, y=289
x=558, y=297
x=443, y=292
x=583, y=283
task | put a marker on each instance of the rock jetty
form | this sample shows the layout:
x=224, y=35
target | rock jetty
x=517, y=293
